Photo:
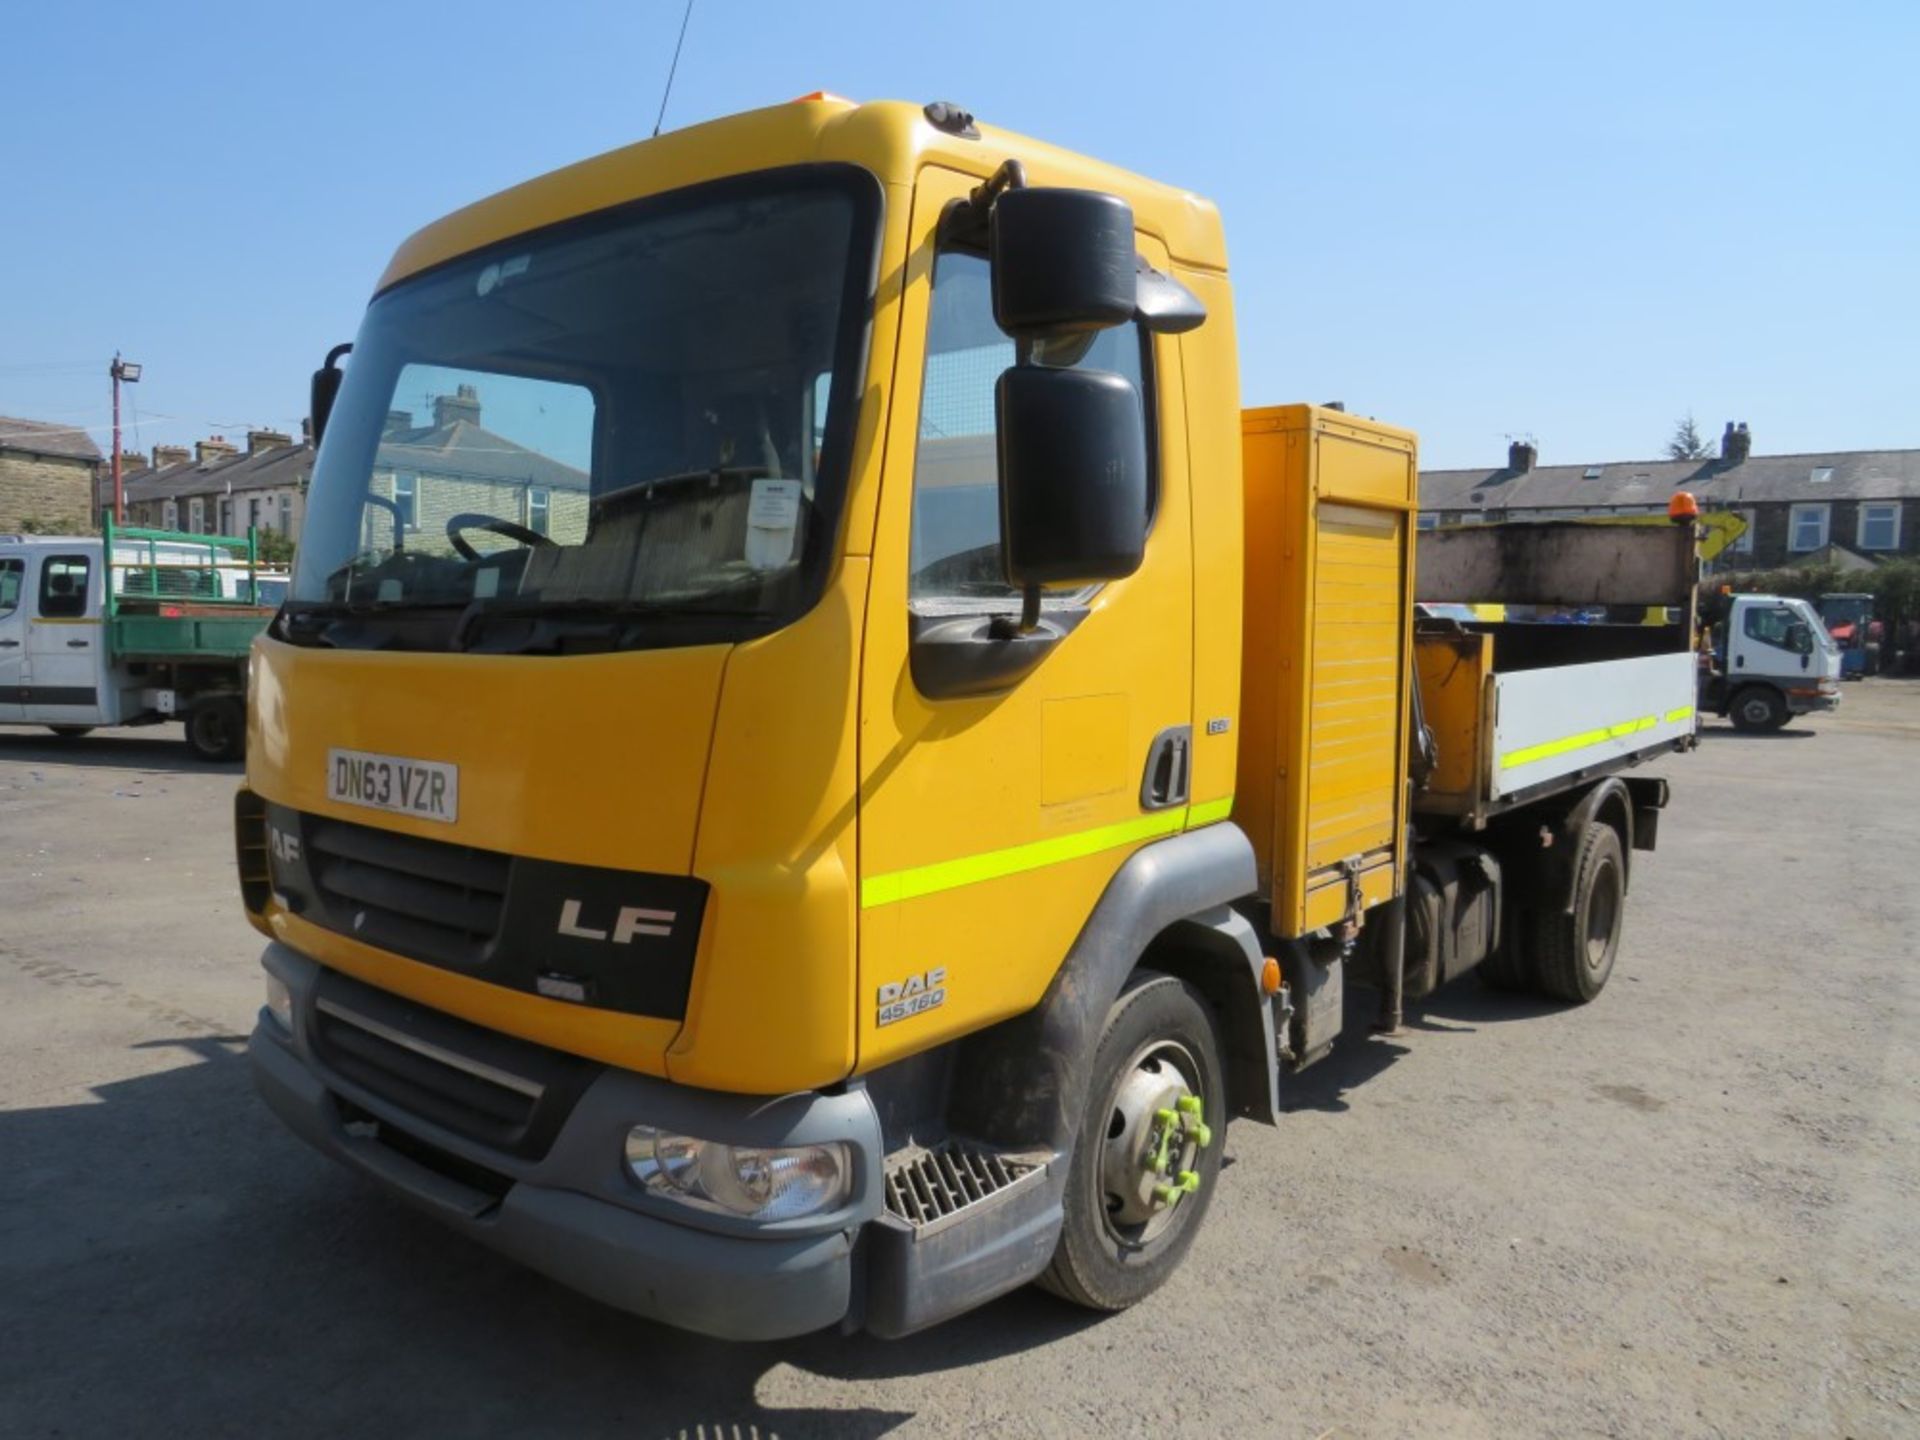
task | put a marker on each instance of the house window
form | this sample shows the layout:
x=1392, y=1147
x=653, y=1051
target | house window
x=1880, y=525
x=253, y=512
x=1429, y=521
x=1743, y=543
x=539, y=503
x=170, y=515
x=1807, y=528
x=1820, y=475
x=406, y=496
x=197, y=515
x=286, y=515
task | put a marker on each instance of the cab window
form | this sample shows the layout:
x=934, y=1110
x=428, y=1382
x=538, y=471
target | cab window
x=1773, y=625
x=12, y=572
x=63, y=587
x=955, y=548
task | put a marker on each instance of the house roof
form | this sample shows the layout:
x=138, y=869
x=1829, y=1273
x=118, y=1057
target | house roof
x=39, y=437
x=469, y=451
x=1855, y=475
x=280, y=466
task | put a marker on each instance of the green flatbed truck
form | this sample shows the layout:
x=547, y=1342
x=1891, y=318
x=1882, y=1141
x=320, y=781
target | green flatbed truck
x=132, y=627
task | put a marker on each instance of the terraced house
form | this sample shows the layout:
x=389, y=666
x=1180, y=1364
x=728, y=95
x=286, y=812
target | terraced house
x=46, y=477
x=1852, y=507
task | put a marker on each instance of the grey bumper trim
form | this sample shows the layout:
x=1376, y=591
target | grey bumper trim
x=575, y=1217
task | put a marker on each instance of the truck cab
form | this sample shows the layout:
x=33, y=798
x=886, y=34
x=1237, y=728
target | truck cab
x=1772, y=659
x=53, y=668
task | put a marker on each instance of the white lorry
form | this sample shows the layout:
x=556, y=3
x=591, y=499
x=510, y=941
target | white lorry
x=140, y=627
x=1771, y=659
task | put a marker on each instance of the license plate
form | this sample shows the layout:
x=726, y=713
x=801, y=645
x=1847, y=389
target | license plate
x=424, y=789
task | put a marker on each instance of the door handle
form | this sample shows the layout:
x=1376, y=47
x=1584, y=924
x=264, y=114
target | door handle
x=76, y=644
x=1169, y=769
x=9, y=644
x=1739, y=662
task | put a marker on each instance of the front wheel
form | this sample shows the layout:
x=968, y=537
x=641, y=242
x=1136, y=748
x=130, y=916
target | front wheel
x=70, y=732
x=217, y=728
x=1148, y=1153
x=1757, y=709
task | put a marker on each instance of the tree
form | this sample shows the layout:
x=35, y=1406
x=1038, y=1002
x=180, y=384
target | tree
x=1686, y=442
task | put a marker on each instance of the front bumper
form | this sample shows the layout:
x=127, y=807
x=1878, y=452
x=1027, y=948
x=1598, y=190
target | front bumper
x=563, y=1205
x=1800, y=702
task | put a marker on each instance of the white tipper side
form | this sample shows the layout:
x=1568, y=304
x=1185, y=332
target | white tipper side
x=1552, y=722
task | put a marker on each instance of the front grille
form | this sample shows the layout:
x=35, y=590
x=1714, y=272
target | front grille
x=507, y=1094
x=250, y=849
x=403, y=893
x=933, y=1186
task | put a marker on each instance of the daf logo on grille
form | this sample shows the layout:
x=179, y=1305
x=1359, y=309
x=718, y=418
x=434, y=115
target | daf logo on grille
x=627, y=922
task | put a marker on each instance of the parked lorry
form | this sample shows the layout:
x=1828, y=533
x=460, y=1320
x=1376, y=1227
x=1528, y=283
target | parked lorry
x=131, y=627
x=947, y=770
x=1769, y=659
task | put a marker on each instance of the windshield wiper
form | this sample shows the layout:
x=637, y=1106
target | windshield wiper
x=582, y=614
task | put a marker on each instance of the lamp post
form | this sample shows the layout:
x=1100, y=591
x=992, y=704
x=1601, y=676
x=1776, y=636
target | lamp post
x=122, y=371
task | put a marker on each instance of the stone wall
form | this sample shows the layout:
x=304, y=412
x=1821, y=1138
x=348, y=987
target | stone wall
x=47, y=492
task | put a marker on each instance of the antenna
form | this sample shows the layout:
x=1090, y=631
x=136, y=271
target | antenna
x=671, y=69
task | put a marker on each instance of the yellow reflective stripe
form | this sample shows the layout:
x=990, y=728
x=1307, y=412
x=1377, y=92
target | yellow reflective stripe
x=1208, y=811
x=1582, y=740
x=971, y=869
x=1685, y=712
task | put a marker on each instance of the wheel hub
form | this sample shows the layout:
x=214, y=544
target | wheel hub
x=1155, y=1132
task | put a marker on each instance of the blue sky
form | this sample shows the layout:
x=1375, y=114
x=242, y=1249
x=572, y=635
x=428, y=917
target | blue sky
x=1478, y=220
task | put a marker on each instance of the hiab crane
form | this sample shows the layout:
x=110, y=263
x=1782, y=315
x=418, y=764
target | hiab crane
x=856, y=851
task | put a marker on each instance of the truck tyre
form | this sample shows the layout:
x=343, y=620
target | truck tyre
x=1573, y=954
x=1756, y=709
x=217, y=728
x=71, y=732
x=1139, y=1182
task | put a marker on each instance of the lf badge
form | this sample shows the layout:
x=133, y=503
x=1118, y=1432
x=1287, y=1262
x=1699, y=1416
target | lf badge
x=914, y=995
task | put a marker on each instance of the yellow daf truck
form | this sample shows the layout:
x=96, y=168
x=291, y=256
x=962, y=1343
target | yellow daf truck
x=815, y=758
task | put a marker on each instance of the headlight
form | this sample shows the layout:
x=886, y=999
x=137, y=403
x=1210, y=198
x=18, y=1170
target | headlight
x=280, y=1001
x=781, y=1182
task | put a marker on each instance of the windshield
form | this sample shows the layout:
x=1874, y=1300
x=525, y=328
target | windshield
x=647, y=412
x=1815, y=625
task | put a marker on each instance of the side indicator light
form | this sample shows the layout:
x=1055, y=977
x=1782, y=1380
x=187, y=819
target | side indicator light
x=1270, y=977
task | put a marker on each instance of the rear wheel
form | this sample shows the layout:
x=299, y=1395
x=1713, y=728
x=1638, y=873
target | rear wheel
x=1573, y=953
x=71, y=732
x=1148, y=1153
x=1758, y=708
x=217, y=727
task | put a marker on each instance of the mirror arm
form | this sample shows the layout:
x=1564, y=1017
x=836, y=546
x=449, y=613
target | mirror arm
x=1011, y=175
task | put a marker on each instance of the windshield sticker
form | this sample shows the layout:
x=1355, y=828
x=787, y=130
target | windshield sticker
x=773, y=514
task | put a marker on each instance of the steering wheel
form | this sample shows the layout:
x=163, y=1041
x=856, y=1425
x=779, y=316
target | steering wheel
x=493, y=524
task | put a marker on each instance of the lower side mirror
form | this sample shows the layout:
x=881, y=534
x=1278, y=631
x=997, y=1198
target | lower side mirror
x=1073, y=476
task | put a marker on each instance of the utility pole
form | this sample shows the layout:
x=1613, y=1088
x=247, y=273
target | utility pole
x=127, y=371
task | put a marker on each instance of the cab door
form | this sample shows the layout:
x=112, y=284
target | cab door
x=13, y=632
x=997, y=801
x=64, y=639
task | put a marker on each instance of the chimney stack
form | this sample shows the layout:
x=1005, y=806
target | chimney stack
x=1736, y=444
x=212, y=449
x=1520, y=456
x=464, y=404
x=398, y=422
x=165, y=455
x=259, y=440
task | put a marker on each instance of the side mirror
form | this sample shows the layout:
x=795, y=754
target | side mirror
x=1073, y=476
x=1063, y=262
x=326, y=389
